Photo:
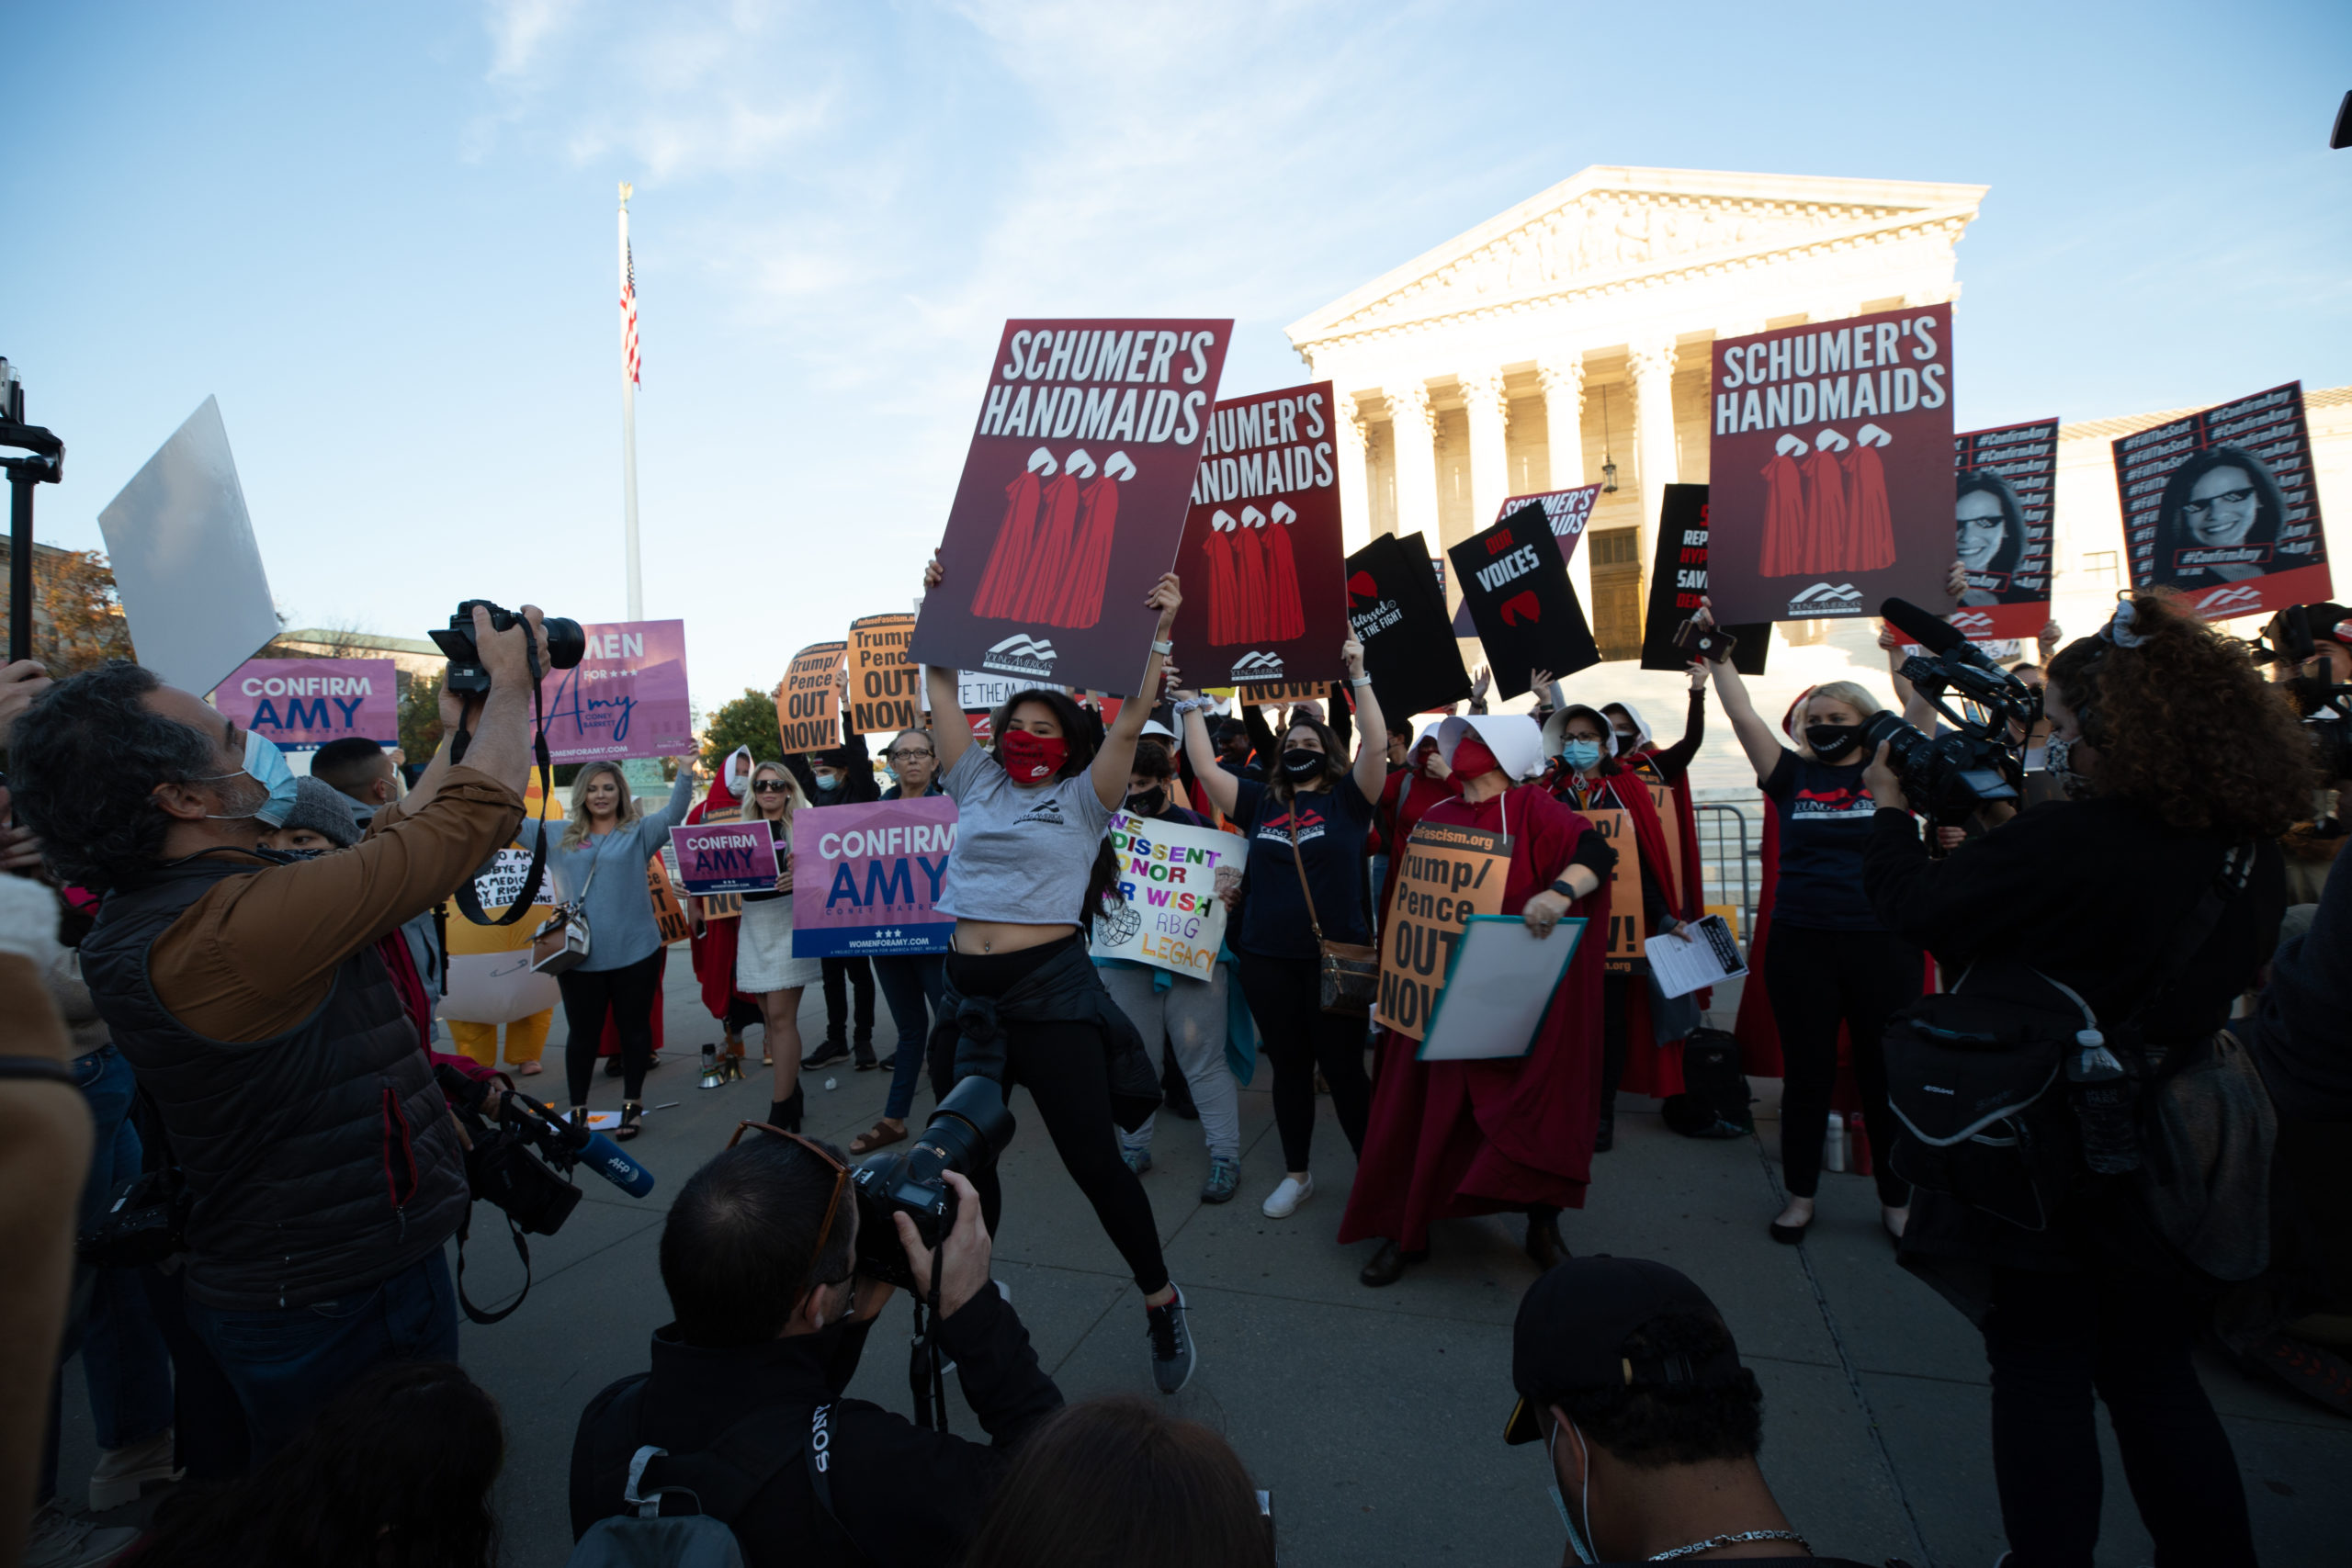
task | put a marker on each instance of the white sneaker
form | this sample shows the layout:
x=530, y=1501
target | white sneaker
x=123, y=1473
x=1285, y=1199
x=58, y=1539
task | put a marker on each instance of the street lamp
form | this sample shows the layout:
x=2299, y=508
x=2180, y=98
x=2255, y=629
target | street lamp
x=45, y=466
x=1607, y=468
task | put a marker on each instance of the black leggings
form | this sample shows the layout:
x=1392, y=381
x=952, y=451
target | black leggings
x=1818, y=979
x=2052, y=1339
x=842, y=976
x=629, y=994
x=1297, y=1034
x=1614, y=988
x=1065, y=1070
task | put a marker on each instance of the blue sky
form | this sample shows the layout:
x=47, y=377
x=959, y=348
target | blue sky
x=384, y=236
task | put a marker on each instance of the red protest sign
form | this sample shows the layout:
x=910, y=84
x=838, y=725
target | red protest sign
x=2222, y=505
x=1073, y=499
x=1263, y=561
x=1829, y=468
x=2001, y=527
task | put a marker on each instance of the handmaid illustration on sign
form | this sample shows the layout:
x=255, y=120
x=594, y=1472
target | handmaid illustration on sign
x=1828, y=513
x=1051, y=552
x=1253, y=577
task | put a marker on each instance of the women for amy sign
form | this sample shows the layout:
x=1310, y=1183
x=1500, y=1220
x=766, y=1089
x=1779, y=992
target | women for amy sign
x=626, y=698
x=1073, y=499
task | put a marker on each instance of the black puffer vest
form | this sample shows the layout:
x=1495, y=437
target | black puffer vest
x=322, y=1161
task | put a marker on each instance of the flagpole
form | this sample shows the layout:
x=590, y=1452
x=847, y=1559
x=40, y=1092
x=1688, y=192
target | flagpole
x=628, y=433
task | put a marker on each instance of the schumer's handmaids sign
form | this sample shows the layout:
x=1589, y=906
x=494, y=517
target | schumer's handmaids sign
x=864, y=878
x=725, y=857
x=1168, y=913
x=1450, y=873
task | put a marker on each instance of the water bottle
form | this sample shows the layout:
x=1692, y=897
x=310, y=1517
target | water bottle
x=2101, y=1092
x=1833, y=1143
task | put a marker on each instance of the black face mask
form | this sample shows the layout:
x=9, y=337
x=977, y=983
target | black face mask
x=1148, y=802
x=1299, y=764
x=1831, y=741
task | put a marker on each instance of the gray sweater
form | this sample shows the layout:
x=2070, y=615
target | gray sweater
x=619, y=909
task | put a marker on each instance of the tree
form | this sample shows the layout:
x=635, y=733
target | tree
x=421, y=718
x=749, y=720
x=77, y=615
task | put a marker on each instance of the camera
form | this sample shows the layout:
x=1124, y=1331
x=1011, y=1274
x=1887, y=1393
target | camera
x=2326, y=706
x=1950, y=776
x=567, y=644
x=965, y=1134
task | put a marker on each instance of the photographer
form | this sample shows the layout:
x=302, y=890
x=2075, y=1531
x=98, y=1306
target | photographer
x=2172, y=753
x=757, y=1255
x=263, y=1014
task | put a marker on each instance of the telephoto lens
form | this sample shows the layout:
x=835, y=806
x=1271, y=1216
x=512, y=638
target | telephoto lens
x=567, y=644
x=968, y=1132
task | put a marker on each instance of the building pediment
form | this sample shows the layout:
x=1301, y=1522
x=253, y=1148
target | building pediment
x=1608, y=229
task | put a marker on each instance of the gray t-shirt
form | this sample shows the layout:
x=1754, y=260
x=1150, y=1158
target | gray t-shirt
x=620, y=906
x=1022, y=855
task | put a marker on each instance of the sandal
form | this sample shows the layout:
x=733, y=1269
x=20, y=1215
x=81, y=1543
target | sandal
x=879, y=1136
x=528, y=1069
x=632, y=1113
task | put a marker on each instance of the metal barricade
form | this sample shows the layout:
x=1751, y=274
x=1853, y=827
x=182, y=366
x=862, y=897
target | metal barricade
x=1727, y=859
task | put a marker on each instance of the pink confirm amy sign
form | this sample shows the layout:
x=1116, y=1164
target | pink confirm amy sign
x=725, y=857
x=302, y=704
x=865, y=878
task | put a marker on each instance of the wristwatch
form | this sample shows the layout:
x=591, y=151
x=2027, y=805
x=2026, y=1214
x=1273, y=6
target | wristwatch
x=1163, y=648
x=1564, y=890
x=1359, y=681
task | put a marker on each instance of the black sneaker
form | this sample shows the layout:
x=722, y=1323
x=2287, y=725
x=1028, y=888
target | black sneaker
x=830, y=1052
x=1172, y=1354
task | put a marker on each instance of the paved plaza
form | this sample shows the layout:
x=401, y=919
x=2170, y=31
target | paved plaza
x=1375, y=1417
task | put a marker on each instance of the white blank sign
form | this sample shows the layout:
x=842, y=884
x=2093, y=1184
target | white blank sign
x=192, y=590
x=1498, y=989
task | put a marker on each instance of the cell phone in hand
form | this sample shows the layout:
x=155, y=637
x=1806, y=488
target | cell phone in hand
x=1711, y=643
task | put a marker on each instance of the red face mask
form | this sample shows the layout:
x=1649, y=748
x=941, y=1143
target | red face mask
x=1471, y=757
x=1031, y=758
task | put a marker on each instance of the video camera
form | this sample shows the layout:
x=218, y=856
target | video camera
x=2326, y=706
x=1950, y=776
x=567, y=644
x=968, y=1130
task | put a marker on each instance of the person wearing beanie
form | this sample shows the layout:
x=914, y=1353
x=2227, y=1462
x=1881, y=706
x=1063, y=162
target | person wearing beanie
x=321, y=819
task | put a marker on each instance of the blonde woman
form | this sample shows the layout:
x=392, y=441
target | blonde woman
x=764, y=967
x=1829, y=961
x=599, y=865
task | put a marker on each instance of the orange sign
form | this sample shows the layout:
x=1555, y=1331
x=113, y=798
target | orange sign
x=808, y=705
x=1624, y=887
x=885, y=687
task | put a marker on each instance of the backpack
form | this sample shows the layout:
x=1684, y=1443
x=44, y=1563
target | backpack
x=1715, y=1100
x=720, y=1480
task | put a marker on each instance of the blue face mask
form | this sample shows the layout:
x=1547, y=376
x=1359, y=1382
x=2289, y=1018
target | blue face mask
x=267, y=766
x=1581, y=755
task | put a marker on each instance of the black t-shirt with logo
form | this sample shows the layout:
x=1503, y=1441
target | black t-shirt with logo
x=1332, y=825
x=1824, y=822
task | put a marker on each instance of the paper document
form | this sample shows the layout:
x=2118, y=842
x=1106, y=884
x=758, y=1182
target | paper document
x=1709, y=958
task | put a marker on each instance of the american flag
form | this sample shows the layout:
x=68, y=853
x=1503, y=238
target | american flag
x=628, y=316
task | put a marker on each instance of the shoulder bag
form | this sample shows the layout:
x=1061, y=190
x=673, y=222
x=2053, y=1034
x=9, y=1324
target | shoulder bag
x=1349, y=970
x=561, y=942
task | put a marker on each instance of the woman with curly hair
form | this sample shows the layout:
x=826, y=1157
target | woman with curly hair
x=2173, y=753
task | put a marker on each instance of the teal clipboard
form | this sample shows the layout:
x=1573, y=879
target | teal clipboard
x=1572, y=928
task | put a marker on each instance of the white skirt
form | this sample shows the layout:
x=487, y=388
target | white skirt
x=764, y=960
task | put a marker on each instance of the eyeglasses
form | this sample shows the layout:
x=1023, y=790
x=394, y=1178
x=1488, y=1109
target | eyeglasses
x=2227, y=498
x=768, y=787
x=832, y=1204
x=908, y=753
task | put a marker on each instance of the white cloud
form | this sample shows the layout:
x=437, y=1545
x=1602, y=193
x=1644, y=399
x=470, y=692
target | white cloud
x=519, y=29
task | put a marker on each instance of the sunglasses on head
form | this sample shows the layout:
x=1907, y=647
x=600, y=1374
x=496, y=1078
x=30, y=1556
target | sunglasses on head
x=832, y=1204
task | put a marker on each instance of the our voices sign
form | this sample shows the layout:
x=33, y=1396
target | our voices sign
x=808, y=705
x=302, y=704
x=626, y=698
x=1168, y=913
x=725, y=857
x=865, y=878
x=1449, y=873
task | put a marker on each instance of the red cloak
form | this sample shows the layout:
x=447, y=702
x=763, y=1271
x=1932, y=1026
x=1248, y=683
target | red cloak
x=713, y=946
x=1784, y=519
x=1287, y=618
x=1001, y=579
x=1448, y=1140
x=1650, y=1068
x=1873, y=522
x=1047, y=568
x=1098, y=519
x=1828, y=538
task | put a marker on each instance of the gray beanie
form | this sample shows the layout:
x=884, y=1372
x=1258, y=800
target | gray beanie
x=324, y=810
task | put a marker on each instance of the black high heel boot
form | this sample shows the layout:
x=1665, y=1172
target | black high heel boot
x=785, y=1113
x=632, y=1113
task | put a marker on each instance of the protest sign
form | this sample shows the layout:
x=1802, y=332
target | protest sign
x=669, y=912
x=1498, y=985
x=808, y=705
x=1261, y=559
x=2001, y=528
x=985, y=693
x=1567, y=510
x=2220, y=505
x=1827, y=453
x=626, y=698
x=864, y=878
x=1072, y=501
x=302, y=704
x=725, y=857
x=489, y=974
x=884, y=687
x=1662, y=802
x=1448, y=875
x=1399, y=614
x=181, y=545
x=1281, y=694
x=1167, y=912
x=1515, y=586
x=1679, y=580
x=1615, y=825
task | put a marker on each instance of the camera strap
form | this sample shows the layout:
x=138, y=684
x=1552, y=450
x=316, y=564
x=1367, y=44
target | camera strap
x=522, y=1250
x=927, y=1376
x=468, y=902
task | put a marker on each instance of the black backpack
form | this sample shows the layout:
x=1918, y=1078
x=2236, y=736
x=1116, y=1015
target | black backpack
x=1714, y=1099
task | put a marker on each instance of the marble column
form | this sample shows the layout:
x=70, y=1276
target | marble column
x=1561, y=380
x=1489, y=412
x=1651, y=367
x=1352, y=449
x=1412, y=425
